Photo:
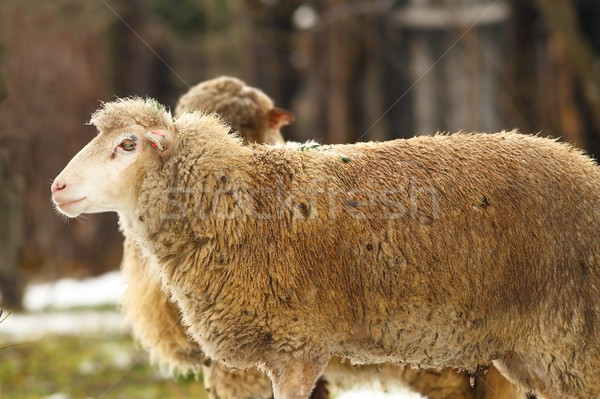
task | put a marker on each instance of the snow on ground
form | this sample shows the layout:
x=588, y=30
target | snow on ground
x=69, y=293
x=46, y=304
x=32, y=326
x=363, y=394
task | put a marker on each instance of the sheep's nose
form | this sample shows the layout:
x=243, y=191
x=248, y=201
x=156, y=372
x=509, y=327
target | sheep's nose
x=57, y=186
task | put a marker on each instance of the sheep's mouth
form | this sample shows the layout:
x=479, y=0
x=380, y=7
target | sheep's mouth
x=62, y=205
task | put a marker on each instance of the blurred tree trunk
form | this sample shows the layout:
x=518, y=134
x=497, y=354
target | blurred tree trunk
x=271, y=36
x=343, y=72
x=137, y=69
x=573, y=33
x=12, y=223
x=525, y=48
x=3, y=83
x=546, y=88
x=562, y=16
x=12, y=220
x=339, y=71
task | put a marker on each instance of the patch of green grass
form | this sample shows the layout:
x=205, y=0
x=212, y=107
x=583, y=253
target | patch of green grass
x=108, y=367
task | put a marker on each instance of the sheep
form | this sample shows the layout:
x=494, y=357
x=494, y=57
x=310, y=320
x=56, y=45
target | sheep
x=248, y=110
x=155, y=319
x=454, y=251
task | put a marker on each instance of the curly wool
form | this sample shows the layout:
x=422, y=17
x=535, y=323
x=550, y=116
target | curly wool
x=246, y=109
x=154, y=318
x=125, y=112
x=453, y=274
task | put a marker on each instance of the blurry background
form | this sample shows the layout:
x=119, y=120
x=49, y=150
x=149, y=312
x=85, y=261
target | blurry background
x=349, y=70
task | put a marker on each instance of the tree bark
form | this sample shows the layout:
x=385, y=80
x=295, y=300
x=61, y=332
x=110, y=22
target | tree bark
x=561, y=15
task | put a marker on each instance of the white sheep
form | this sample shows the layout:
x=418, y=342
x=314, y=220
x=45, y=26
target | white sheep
x=447, y=251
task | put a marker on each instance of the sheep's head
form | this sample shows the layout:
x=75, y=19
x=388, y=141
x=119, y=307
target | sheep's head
x=247, y=110
x=133, y=135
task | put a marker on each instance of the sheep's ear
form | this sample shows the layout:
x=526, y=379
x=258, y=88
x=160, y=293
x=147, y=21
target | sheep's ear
x=159, y=139
x=279, y=117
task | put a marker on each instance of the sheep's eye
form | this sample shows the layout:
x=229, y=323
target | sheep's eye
x=127, y=145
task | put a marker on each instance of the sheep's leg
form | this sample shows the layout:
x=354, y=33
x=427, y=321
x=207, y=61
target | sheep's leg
x=551, y=378
x=295, y=379
x=491, y=384
x=221, y=382
x=521, y=373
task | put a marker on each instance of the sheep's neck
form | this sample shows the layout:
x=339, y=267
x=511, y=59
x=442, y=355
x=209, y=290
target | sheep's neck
x=189, y=216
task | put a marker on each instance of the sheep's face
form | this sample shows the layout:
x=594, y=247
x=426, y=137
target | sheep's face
x=105, y=174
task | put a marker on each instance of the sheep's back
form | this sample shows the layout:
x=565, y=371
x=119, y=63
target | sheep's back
x=475, y=227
